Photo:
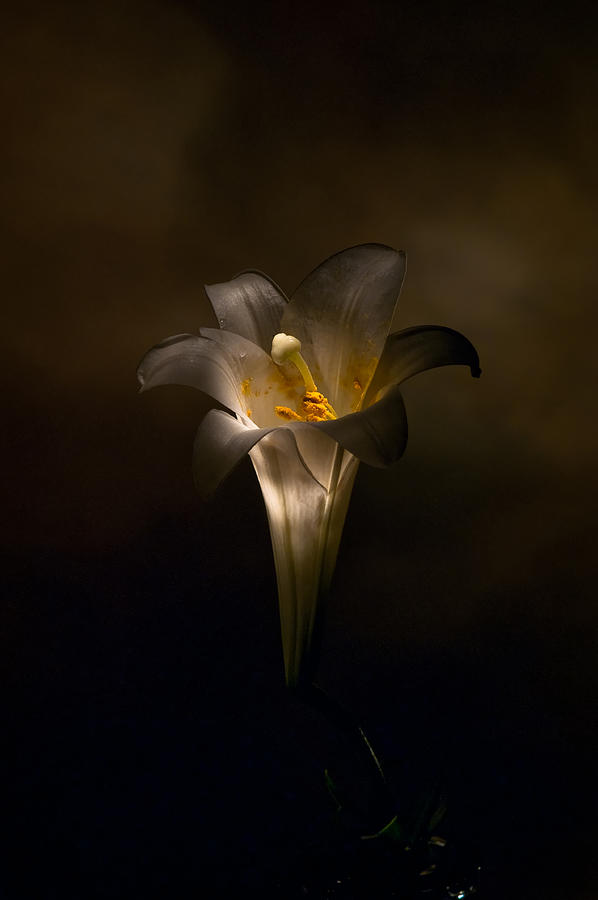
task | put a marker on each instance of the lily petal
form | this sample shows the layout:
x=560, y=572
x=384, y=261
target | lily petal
x=193, y=361
x=340, y=506
x=222, y=441
x=342, y=313
x=417, y=349
x=250, y=305
x=305, y=527
x=317, y=450
x=234, y=371
x=220, y=444
x=263, y=384
x=376, y=435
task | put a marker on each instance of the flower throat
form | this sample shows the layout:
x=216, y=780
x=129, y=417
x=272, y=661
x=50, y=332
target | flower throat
x=314, y=406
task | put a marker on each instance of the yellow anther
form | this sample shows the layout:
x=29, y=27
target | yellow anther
x=314, y=397
x=316, y=407
x=285, y=413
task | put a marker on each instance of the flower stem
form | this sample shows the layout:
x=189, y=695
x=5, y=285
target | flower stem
x=346, y=723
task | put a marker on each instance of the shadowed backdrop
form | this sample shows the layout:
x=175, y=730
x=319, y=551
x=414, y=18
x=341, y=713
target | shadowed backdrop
x=152, y=147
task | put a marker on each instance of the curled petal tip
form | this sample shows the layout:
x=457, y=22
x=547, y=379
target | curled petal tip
x=474, y=365
x=421, y=347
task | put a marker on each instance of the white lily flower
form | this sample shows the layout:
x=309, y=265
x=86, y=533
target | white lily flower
x=334, y=334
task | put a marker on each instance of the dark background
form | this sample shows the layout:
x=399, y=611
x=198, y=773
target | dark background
x=150, y=148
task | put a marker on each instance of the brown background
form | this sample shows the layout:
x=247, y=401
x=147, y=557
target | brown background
x=152, y=147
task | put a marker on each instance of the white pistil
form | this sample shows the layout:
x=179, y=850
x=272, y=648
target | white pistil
x=285, y=348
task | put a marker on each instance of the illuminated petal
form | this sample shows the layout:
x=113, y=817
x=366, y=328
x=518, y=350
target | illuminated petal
x=417, y=349
x=305, y=526
x=193, y=361
x=220, y=444
x=341, y=313
x=222, y=441
x=317, y=450
x=349, y=467
x=250, y=305
x=231, y=369
x=263, y=384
